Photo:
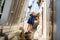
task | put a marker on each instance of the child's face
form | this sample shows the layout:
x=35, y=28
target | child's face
x=33, y=13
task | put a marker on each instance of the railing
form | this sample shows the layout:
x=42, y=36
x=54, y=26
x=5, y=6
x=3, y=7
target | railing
x=52, y=19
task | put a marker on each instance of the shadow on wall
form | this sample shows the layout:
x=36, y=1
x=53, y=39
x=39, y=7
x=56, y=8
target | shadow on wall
x=57, y=35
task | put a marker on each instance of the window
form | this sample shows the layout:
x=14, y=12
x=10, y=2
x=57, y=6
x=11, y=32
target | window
x=2, y=2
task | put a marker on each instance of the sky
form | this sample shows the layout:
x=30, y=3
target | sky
x=35, y=7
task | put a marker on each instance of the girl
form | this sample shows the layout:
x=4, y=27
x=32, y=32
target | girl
x=31, y=21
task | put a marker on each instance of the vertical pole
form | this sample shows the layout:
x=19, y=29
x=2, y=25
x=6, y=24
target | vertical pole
x=52, y=19
x=42, y=20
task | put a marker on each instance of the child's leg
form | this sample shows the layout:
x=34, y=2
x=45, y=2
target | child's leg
x=29, y=27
